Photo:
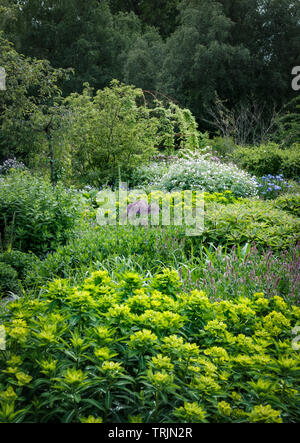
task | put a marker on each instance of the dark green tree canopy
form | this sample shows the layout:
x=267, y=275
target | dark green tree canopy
x=187, y=49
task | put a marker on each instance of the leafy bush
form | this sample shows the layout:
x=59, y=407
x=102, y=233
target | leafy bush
x=8, y=280
x=251, y=222
x=108, y=128
x=222, y=147
x=269, y=159
x=20, y=262
x=124, y=351
x=200, y=173
x=34, y=216
x=289, y=203
x=114, y=207
x=148, y=174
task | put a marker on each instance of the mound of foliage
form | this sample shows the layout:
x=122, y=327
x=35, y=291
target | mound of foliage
x=269, y=159
x=289, y=203
x=21, y=262
x=34, y=216
x=251, y=222
x=200, y=173
x=8, y=280
x=144, y=351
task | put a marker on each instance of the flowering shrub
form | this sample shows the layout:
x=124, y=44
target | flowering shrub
x=11, y=164
x=199, y=173
x=145, y=351
x=271, y=186
x=209, y=176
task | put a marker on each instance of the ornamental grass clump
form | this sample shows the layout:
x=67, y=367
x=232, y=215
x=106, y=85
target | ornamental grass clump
x=143, y=350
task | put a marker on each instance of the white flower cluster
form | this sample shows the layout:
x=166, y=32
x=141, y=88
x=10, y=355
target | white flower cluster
x=203, y=174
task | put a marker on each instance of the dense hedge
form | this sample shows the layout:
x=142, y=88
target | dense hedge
x=269, y=159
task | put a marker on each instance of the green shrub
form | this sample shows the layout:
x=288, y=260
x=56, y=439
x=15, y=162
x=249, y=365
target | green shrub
x=251, y=222
x=269, y=159
x=201, y=174
x=104, y=351
x=289, y=203
x=20, y=262
x=291, y=162
x=222, y=147
x=8, y=280
x=34, y=216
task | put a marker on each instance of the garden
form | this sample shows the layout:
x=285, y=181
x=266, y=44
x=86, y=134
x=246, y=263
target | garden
x=149, y=267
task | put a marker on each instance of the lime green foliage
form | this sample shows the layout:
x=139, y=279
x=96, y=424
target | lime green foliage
x=113, y=207
x=289, y=203
x=34, y=216
x=108, y=129
x=8, y=280
x=224, y=198
x=269, y=159
x=113, y=128
x=176, y=124
x=251, y=221
x=114, y=351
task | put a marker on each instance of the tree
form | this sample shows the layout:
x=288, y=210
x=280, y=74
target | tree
x=199, y=58
x=29, y=107
x=270, y=30
x=115, y=130
x=162, y=14
x=69, y=34
x=288, y=123
x=142, y=60
x=108, y=132
x=86, y=36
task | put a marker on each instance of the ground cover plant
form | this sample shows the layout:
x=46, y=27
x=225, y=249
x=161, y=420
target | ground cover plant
x=140, y=350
